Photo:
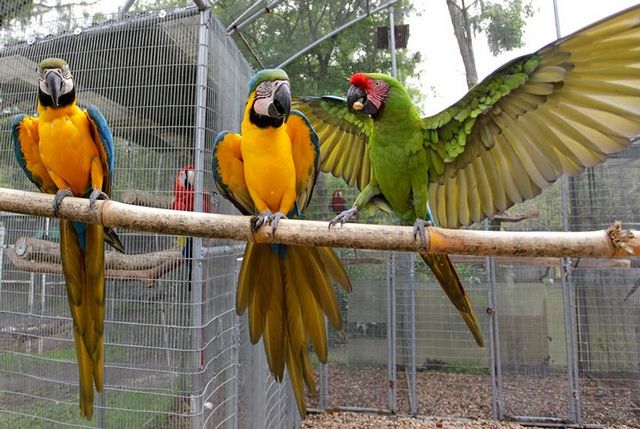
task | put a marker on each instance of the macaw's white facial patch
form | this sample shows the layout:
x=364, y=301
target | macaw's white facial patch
x=264, y=98
x=191, y=177
x=66, y=80
x=265, y=92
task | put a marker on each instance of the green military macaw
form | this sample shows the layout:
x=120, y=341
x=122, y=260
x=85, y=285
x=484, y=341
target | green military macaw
x=556, y=111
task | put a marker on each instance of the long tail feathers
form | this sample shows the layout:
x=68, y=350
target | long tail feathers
x=84, y=277
x=448, y=278
x=288, y=294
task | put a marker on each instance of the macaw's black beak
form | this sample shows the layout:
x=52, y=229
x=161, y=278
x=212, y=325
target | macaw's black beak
x=356, y=98
x=54, y=84
x=281, y=105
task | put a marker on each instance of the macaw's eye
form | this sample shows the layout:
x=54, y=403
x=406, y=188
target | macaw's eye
x=264, y=89
x=66, y=73
x=377, y=83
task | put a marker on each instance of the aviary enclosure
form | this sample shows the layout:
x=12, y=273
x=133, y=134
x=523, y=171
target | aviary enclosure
x=563, y=335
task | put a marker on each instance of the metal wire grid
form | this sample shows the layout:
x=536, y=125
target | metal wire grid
x=531, y=312
x=168, y=83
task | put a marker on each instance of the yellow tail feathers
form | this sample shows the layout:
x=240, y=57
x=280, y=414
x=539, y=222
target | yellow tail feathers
x=446, y=274
x=84, y=278
x=288, y=292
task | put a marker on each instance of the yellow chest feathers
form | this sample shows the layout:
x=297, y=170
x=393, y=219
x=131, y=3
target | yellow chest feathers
x=269, y=169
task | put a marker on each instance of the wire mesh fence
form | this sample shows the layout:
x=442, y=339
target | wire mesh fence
x=175, y=351
x=562, y=336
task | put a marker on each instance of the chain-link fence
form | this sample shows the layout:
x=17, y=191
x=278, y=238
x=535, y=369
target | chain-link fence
x=562, y=335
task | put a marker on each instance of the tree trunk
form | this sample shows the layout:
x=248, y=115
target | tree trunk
x=462, y=30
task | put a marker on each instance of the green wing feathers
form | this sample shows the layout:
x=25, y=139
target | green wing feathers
x=287, y=297
x=84, y=275
x=343, y=137
x=555, y=112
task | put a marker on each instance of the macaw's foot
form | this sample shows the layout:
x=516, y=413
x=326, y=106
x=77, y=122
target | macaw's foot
x=266, y=217
x=96, y=194
x=260, y=219
x=343, y=217
x=60, y=195
x=419, y=228
x=275, y=219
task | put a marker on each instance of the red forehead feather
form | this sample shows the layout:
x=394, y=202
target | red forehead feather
x=360, y=80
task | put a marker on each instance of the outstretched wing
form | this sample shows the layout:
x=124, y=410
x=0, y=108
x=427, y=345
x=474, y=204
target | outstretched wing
x=306, y=155
x=343, y=137
x=25, y=147
x=228, y=171
x=557, y=111
x=103, y=139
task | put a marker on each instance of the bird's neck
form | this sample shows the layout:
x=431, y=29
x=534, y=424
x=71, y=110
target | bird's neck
x=248, y=128
x=47, y=113
x=398, y=115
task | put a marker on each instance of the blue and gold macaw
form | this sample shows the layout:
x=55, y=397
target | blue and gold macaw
x=68, y=151
x=269, y=171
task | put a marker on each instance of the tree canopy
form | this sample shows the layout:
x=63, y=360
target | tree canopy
x=294, y=24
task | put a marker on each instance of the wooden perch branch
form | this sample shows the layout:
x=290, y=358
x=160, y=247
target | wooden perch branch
x=43, y=256
x=614, y=242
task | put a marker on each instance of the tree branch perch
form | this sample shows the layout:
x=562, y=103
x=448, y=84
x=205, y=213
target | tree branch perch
x=610, y=243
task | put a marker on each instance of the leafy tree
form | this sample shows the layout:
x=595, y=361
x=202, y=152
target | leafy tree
x=19, y=18
x=10, y=9
x=294, y=24
x=502, y=22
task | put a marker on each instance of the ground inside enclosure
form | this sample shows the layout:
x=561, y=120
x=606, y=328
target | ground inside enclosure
x=359, y=420
x=468, y=396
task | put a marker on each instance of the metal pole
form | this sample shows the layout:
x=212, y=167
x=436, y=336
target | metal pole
x=392, y=42
x=43, y=285
x=197, y=273
x=336, y=31
x=324, y=379
x=569, y=319
x=266, y=9
x=497, y=387
x=201, y=4
x=125, y=8
x=412, y=334
x=391, y=332
x=568, y=298
x=244, y=14
x=556, y=16
x=2, y=237
x=235, y=408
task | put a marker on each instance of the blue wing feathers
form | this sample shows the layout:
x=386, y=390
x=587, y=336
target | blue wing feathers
x=15, y=126
x=222, y=187
x=104, y=134
x=312, y=134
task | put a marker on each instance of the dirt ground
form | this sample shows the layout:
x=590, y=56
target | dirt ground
x=464, y=400
x=343, y=420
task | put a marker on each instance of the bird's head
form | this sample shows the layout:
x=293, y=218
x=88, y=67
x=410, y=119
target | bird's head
x=368, y=92
x=270, y=98
x=56, y=87
x=185, y=178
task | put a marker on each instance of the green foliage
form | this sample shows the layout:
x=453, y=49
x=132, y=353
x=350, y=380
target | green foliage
x=294, y=24
x=10, y=9
x=20, y=19
x=503, y=24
